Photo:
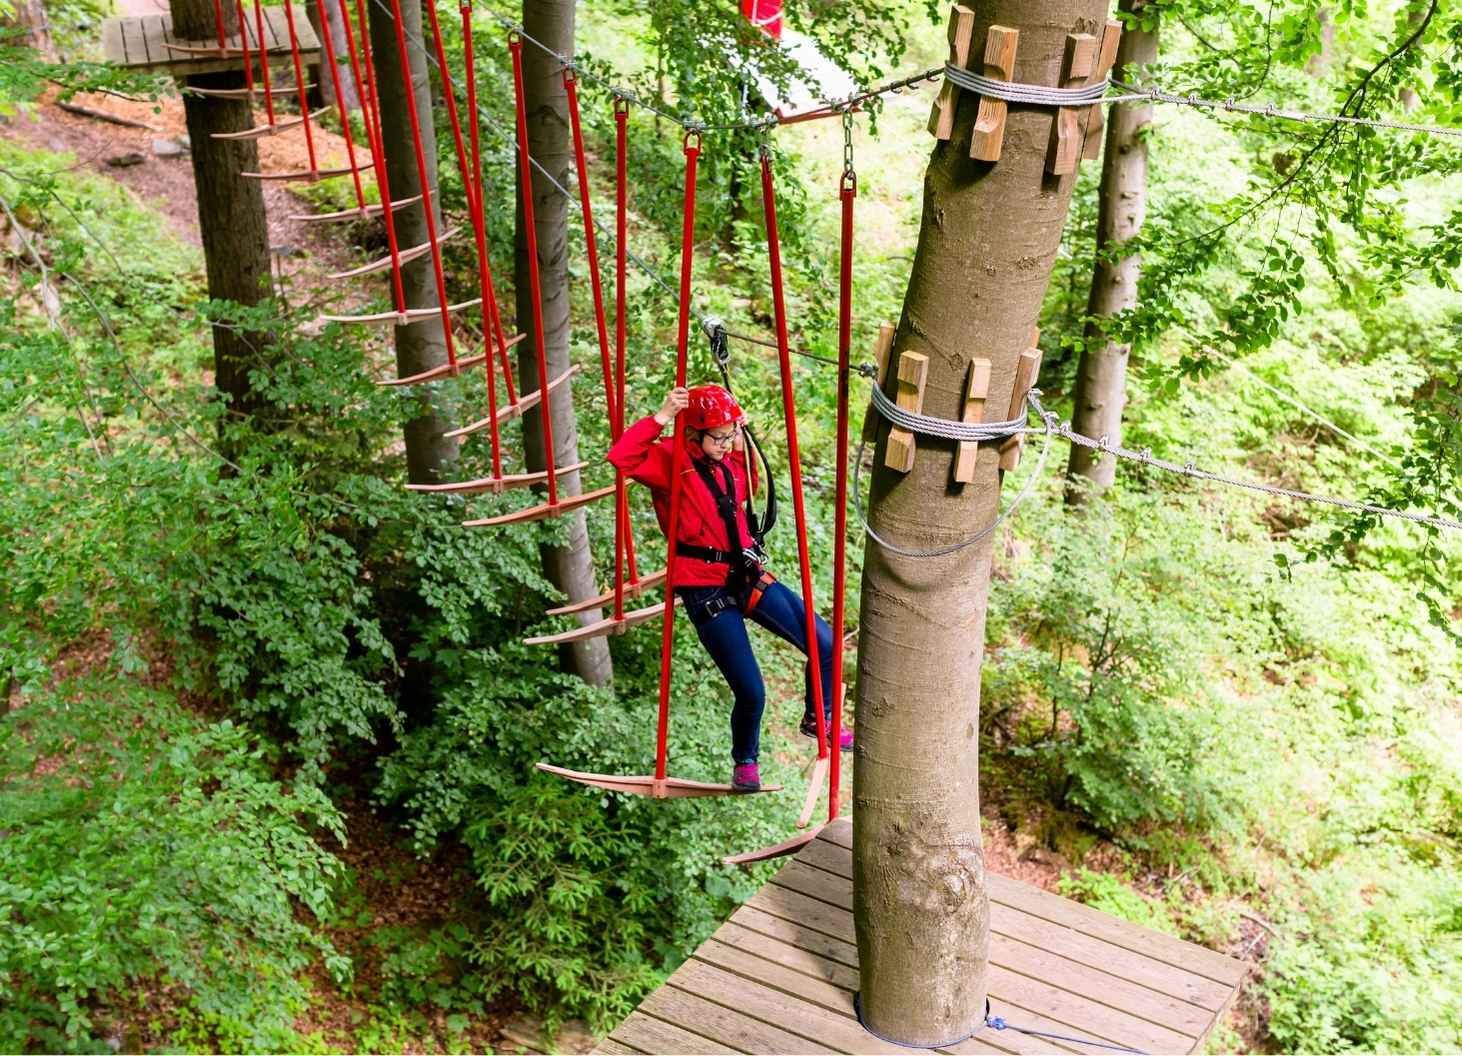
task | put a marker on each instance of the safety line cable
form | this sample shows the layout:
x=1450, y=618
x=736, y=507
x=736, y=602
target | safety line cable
x=1042, y=95
x=1187, y=469
x=1051, y=427
x=1032, y=94
x=1313, y=414
x=1156, y=95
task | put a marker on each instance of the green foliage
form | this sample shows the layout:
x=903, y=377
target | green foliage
x=147, y=849
x=1105, y=689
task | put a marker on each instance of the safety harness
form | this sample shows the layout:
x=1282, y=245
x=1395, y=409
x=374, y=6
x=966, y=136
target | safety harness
x=746, y=579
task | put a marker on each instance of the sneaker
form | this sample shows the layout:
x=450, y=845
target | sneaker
x=845, y=736
x=745, y=777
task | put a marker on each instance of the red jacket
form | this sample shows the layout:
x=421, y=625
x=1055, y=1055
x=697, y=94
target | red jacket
x=644, y=456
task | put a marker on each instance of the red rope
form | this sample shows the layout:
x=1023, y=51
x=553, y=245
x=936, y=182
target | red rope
x=299, y=84
x=847, y=191
x=450, y=95
x=218, y=25
x=525, y=179
x=611, y=401
x=621, y=256
x=622, y=527
x=244, y=47
x=677, y=459
x=591, y=244
x=789, y=414
x=327, y=39
x=421, y=172
x=490, y=324
x=264, y=60
x=371, y=113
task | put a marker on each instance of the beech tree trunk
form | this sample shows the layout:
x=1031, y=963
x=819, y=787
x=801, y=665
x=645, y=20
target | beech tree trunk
x=421, y=346
x=30, y=15
x=987, y=243
x=569, y=567
x=231, y=217
x=1101, y=370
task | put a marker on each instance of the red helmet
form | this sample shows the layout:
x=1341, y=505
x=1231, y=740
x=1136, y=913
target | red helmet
x=711, y=407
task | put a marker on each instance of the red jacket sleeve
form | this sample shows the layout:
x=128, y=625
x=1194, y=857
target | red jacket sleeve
x=641, y=456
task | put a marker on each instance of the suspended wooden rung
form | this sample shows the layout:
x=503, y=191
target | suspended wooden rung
x=538, y=513
x=244, y=93
x=776, y=850
x=262, y=131
x=668, y=788
x=307, y=175
x=406, y=318
x=602, y=628
x=363, y=212
x=814, y=786
x=496, y=485
x=444, y=370
x=404, y=256
x=526, y=402
x=632, y=589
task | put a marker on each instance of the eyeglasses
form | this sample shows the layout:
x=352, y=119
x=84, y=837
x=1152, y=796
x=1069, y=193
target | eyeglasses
x=721, y=439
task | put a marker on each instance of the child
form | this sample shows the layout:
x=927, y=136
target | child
x=718, y=573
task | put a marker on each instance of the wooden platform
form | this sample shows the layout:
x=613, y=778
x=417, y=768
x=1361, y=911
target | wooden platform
x=141, y=44
x=779, y=976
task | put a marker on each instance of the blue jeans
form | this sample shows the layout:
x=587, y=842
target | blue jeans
x=722, y=630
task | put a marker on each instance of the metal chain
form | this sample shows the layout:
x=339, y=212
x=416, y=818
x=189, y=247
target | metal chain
x=847, y=143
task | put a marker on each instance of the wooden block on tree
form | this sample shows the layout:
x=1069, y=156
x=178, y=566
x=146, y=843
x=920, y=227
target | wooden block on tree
x=999, y=61
x=961, y=28
x=1026, y=372
x=882, y=348
x=1106, y=59
x=913, y=372
x=974, y=411
x=1067, y=141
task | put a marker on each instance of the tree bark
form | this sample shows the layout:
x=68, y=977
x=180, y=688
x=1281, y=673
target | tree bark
x=1319, y=63
x=987, y=243
x=569, y=567
x=1101, y=371
x=421, y=346
x=231, y=217
x=30, y=15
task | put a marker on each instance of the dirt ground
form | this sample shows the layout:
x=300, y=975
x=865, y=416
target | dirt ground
x=166, y=182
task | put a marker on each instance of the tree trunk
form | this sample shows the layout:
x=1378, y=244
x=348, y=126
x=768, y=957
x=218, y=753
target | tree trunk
x=569, y=567
x=1319, y=63
x=1101, y=372
x=348, y=88
x=420, y=346
x=323, y=92
x=231, y=217
x=30, y=15
x=987, y=243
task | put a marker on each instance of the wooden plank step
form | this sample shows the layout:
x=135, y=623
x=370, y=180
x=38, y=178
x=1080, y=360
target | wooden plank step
x=1155, y=944
x=730, y=1028
x=648, y=1034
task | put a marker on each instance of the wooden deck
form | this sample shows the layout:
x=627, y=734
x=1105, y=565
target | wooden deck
x=779, y=976
x=141, y=43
